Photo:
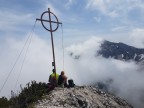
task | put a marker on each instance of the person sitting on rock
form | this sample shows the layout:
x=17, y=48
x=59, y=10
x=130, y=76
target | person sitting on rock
x=53, y=80
x=62, y=80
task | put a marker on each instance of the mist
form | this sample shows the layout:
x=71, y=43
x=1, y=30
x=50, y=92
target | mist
x=127, y=77
x=86, y=69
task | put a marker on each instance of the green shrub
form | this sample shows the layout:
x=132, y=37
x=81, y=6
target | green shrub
x=29, y=94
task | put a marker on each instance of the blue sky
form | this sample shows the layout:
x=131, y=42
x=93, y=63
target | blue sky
x=110, y=19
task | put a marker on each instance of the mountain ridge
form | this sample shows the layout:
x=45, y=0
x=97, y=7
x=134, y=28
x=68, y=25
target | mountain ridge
x=121, y=51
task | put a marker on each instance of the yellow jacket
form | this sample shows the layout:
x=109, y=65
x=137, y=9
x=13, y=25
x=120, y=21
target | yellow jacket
x=53, y=78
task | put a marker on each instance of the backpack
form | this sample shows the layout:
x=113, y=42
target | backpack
x=71, y=83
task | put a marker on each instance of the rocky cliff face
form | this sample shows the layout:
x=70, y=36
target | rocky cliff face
x=80, y=97
x=121, y=51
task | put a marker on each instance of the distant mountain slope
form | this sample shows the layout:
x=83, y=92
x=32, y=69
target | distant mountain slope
x=121, y=51
x=80, y=97
x=118, y=51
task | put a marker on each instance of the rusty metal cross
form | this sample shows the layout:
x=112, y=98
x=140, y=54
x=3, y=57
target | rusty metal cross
x=50, y=30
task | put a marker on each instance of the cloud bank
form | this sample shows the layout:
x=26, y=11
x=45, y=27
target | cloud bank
x=89, y=68
x=137, y=37
x=127, y=79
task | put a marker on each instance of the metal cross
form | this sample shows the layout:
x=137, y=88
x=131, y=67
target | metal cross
x=50, y=30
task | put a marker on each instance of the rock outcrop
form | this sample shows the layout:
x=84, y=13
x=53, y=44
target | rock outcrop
x=80, y=97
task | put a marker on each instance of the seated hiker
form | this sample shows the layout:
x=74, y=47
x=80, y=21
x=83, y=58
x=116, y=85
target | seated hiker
x=53, y=80
x=62, y=80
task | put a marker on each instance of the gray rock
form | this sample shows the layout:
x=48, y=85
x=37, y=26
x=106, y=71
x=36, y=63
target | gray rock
x=81, y=97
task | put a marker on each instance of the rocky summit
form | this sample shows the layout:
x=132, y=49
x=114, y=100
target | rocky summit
x=80, y=97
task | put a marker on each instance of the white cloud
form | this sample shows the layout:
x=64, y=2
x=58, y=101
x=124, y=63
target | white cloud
x=120, y=28
x=10, y=21
x=89, y=45
x=69, y=3
x=37, y=65
x=102, y=6
x=136, y=36
x=114, y=8
x=88, y=69
x=97, y=19
x=52, y=9
x=127, y=80
x=96, y=4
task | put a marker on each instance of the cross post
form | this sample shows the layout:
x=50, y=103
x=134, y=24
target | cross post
x=51, y=30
